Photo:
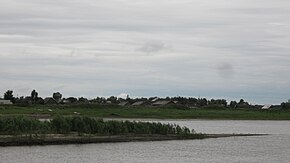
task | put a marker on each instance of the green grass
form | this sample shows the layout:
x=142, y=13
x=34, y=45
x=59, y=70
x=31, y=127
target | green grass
x=146, y=112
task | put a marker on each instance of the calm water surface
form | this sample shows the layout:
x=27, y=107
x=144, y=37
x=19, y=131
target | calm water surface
x=271, y=148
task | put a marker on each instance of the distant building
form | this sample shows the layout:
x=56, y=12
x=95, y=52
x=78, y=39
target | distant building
x=124, y=103
x=5, y=102
x=39, y=100
x=138, y=103
x=163, y=102
x=266, y=107
x=65, y=101
x=69, y=100
x=50, y=101
x=27, y=100
x=155, y=99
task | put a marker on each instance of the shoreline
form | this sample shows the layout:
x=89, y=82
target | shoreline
x=47, y=116
x=61, y=139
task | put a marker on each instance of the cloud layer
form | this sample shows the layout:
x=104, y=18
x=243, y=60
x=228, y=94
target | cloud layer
x=200, y=48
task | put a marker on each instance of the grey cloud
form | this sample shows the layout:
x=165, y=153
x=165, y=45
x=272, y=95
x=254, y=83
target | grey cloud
x=264, y=11
x=225, y=70
x=152, y=47
x=88, y=47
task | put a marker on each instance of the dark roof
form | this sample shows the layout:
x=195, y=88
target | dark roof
x=124, y=103
x=138, y=103
x=163, y=102
x=50, y=100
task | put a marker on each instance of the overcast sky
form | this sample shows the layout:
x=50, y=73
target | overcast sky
x=200, y=48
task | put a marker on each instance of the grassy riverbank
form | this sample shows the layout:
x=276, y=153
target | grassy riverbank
x=107, y=111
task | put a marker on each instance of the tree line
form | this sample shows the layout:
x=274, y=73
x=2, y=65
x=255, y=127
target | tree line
x=182, y=101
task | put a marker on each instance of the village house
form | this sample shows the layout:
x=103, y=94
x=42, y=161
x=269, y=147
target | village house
x=5, y=102
x=266, y=107
x=123, y=103
x=163, y=103
x=50, y=101
x=27, y=100
x=138, y=103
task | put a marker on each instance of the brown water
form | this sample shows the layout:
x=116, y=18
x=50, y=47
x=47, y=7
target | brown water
x=271, y=148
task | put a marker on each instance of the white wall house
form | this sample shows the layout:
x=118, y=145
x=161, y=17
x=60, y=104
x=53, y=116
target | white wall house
x=266, y=107
x=5, y=102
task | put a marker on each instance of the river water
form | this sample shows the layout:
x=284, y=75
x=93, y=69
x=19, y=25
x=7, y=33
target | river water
x=270, y=148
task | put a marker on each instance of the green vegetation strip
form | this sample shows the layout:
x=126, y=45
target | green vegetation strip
x=84, y=125
x=62, y=130
x=109, y=111
x=22, y=130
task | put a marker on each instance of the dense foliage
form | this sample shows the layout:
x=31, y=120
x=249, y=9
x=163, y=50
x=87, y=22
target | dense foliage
x=23, y=125
x=81, y=125
x=8, y=95
x=285, y=105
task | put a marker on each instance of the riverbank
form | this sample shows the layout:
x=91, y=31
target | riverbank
x=58, y=139
x=113, y=111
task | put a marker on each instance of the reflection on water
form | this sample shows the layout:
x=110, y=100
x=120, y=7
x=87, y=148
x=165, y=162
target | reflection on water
x=271, y=148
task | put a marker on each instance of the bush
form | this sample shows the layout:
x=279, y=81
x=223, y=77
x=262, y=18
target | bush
x=23, y=125
x=61, y=125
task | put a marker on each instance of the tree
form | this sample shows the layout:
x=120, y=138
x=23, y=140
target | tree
x=8, y=95
x=202, y=102
x=223, y=102
x=192, y=101
x=285, y=105
x=34, y=96
x=242, y=101
x=233, y=104
x=83, y=100
x=113, y=99
x=243, y=104
x=57, y=96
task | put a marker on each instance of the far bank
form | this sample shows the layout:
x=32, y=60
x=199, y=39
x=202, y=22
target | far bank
x=114, y=111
